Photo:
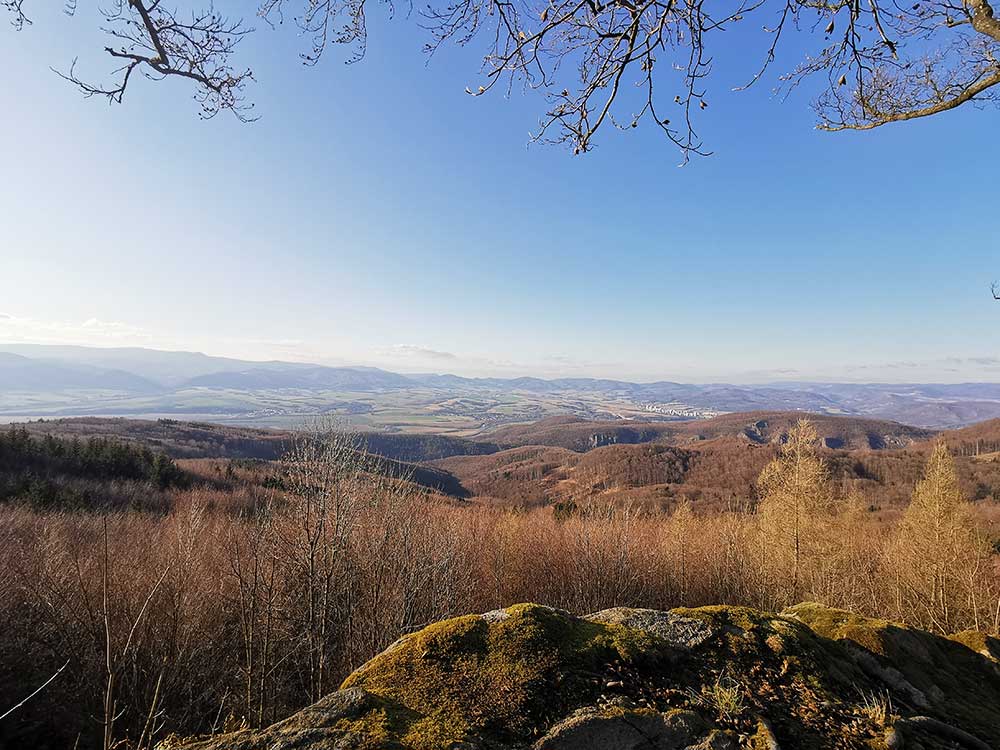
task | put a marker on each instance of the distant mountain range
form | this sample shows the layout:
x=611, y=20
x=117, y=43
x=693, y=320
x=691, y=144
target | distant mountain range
x=39, y=380
x=22, y=373
x=165, y=371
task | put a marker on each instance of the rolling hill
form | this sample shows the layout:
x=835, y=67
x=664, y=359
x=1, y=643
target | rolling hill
x=326, y=378
x=714, y=463
x=188, y=444
x=849, y=433
x=52, y=381
x=19, y=373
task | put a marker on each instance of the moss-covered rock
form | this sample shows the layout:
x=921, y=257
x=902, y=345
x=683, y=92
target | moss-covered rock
x=981, y=642
x=956, y=679
x=714, y=677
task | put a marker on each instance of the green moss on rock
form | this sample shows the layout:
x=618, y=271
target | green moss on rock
x=947, y=678
x=470, y=676
x=712, y=678
x=979, y=642
x=838, y=624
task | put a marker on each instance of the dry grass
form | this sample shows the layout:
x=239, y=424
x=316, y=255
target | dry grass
x=877, y=707
x=725, y=698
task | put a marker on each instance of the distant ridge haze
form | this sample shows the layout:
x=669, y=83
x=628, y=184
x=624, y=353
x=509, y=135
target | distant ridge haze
x=42, y=380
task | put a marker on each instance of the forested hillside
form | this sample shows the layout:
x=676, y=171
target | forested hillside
x=93, y=473
x=257, y=585
x=714, y=463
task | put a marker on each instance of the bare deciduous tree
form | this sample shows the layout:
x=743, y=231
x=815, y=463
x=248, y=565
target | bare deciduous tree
x=328, y=481
x=938, y=552
x=604, y=61
x=795, y=495
x=195, y=649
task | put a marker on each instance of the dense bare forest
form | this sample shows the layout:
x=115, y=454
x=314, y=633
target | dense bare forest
x=252, y=588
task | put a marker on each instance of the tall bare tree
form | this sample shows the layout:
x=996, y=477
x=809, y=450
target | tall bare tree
x=938, y=553
x=327, y=476
x=600, y=62
x=795, y=497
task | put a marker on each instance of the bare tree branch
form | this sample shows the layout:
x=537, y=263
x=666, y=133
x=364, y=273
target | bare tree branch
x=16, y=9
x=602, y=61
x=35, y=692
x=160, y=44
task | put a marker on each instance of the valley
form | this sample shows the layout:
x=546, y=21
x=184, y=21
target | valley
x=54, y=381
x=569, y=462
x=222, y=541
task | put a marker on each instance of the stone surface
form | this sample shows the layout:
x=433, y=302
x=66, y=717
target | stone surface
x=683, y=632
x=623, y=730
x=321, y=726
x=714, y=678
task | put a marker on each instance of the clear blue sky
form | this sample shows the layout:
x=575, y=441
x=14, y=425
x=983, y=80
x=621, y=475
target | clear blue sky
x=377, y=214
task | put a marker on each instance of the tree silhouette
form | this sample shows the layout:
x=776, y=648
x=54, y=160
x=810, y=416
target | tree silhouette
x=617, y=62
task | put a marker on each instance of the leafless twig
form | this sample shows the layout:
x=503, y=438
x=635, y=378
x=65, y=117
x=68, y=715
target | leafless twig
x=35, y=692
x=601, y=61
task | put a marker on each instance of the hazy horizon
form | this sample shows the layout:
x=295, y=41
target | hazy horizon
x=919, y=372
x=718, y=284
x=378, y=236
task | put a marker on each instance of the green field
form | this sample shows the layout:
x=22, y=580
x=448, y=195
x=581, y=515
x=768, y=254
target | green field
x=416, y=410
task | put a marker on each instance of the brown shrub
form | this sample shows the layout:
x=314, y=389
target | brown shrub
x=244, y=604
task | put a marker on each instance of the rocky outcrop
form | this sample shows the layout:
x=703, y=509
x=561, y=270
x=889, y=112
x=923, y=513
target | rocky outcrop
x=675, y=629
x=717, y=678
x=602, y=439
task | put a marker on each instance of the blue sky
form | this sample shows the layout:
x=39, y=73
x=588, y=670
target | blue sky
x=377, y=214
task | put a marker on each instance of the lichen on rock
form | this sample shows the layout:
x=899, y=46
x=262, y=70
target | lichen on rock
x=679, y=631
x=711, y=678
